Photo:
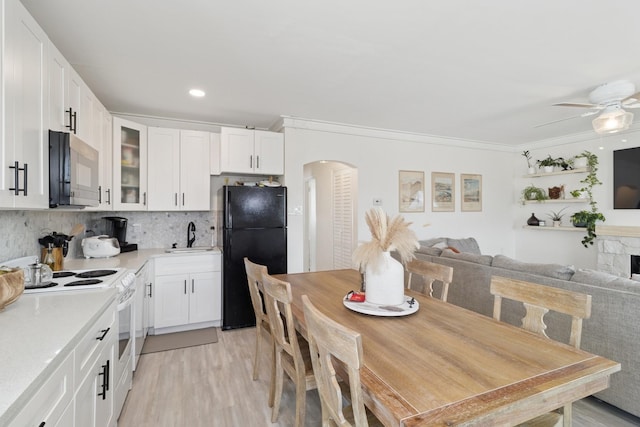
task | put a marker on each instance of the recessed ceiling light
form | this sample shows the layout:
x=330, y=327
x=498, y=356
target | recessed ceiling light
x=196, y=93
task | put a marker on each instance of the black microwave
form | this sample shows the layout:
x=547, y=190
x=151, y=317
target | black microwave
x=73, y=172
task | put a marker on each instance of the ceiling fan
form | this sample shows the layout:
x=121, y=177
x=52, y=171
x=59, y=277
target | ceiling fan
x=610, y=101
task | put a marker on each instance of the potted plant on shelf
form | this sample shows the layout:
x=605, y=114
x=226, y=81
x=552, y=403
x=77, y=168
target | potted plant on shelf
x=556, y=217
x=383, y=275
x=548, y=163
x=581, y=161
x=588, y=218
x=530, y=169
x=534, y=193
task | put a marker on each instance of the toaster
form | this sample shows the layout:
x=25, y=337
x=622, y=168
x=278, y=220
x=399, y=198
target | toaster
x=100, y=246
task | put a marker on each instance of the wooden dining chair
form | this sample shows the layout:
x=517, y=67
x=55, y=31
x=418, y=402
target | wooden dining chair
x=539, y=300
x=330, y=341
x=263, y=328
x=291, y=349
x=430, y=272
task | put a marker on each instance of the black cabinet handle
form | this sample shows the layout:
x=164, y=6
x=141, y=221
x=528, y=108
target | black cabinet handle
x=24, y=171
x=104, y=334
x=175, y=199
x=16, y=178
x=106, y=377
x=108, y=191
x=182, y=199
x=257, y=162
x=105, y=380
x=149, y=285
x=192, y=286
x=185, y=287
x=99, y=193
x=144, y=198
x=72, y=120
x=250, y=162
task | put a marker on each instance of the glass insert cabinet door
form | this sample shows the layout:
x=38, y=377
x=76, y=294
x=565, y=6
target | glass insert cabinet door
x=130, y=166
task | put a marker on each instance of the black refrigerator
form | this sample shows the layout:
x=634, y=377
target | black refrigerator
x=254, y=226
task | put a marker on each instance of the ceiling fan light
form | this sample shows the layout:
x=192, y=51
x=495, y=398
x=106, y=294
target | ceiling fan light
x=612, y=121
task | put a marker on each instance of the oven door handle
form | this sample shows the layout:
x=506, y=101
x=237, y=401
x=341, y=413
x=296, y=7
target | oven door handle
x=124, y=304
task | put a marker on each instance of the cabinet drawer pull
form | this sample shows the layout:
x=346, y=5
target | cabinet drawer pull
x=250, y=162
x=104, y=334
x=192, y=286
x=182, y=199
x=108, y=191
x=175, y=199
x=100, y=194
x=185, y=287
x=257, y=162
x=149, y=290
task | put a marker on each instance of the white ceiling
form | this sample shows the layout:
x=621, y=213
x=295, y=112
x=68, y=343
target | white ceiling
x=484, y=71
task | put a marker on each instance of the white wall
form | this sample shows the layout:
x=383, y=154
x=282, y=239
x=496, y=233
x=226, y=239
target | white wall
x=564, y=247
x=379, y=155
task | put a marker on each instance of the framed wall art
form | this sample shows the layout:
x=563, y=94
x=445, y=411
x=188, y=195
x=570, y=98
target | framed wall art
x=470, y=193
x=443, y=192
x=411, y=191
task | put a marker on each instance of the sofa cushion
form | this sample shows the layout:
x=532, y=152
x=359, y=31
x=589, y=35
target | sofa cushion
x=557, y=271
x=429, y=250
x=604, y=280
x=432, y=242
x=469, y=245
x=466, y=256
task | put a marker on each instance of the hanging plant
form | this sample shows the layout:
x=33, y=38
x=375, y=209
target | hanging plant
x=588, y=218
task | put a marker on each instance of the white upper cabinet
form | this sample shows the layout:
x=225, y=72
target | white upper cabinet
x=251, y=151
x=129, y=165
x=164, y=169
x=24, y=180
x=269, y=152
x=179, y=169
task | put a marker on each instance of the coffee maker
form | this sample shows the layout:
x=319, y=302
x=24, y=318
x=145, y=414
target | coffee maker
x=117, y=227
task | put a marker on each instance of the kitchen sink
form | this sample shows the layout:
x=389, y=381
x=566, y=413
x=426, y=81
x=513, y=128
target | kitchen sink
x=190, y=250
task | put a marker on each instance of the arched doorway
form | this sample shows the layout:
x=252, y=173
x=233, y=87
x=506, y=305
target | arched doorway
x=331, y=214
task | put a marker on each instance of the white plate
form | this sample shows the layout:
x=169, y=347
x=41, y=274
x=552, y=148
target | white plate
x=376, y=310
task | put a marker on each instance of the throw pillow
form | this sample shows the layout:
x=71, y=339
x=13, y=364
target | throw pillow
x=466, y=256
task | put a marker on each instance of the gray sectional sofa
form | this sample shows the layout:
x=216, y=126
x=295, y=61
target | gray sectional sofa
x=612, y=331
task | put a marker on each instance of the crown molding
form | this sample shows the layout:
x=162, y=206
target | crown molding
x=371, y=132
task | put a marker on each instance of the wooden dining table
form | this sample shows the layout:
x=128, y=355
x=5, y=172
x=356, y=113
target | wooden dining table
x=444, y=365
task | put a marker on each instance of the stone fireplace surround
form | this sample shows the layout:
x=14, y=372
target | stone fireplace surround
x=615, y=246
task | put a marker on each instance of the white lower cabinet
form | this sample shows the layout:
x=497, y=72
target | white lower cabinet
x=94, y=397
x=95, y=367
x=80, y=391
x=187, y=292
x=49, y=406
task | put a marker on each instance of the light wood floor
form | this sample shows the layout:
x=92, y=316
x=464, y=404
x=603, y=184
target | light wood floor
x=211, y=385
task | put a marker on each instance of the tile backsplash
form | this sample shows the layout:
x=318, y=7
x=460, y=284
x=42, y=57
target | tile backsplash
x=20, y=230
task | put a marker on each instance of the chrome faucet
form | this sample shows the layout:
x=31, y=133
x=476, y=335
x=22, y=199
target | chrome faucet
x=191, y=234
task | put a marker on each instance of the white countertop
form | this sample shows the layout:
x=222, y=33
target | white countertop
x=133, y=260
x=36, y=333
x=39, y=330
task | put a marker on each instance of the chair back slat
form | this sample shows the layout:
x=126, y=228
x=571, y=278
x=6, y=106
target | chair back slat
x=430, y=272
x=328, y=341
x=538, y=300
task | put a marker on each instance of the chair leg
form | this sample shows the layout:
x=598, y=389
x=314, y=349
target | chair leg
x=256, y=358
x=277, y=386
x=272, y=385
x=301, y=399
x=567, y=415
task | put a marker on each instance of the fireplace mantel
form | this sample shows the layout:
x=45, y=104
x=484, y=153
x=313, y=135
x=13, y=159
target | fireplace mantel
x=618, y=230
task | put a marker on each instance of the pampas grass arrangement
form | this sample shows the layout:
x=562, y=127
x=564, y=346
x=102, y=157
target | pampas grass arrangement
x=387, y=235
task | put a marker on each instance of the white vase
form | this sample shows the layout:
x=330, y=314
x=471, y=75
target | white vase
x=385, y=285
x=547, y=169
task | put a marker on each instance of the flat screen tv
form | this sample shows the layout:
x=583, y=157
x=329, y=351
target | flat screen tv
x=626, y=178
